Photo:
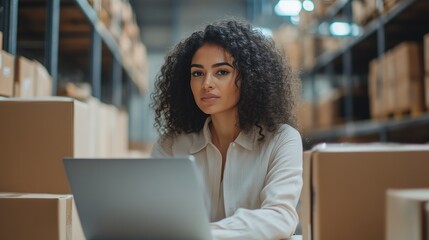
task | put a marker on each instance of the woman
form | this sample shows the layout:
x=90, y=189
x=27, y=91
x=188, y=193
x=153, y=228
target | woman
x=226, y=96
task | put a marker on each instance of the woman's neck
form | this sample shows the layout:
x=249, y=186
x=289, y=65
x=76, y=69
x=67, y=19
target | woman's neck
x=224, y=129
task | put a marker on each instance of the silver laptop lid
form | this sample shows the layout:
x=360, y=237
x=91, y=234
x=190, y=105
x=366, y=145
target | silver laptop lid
x=138, y=198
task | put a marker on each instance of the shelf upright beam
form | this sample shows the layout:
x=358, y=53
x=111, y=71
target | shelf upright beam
x=116, y=83
x=10, y=25
x=96, y=55
x=381, y=48
x=52, y=34
x=347, y=72
x=329, y=71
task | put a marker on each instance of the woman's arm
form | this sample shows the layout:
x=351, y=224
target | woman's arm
x=277, y=217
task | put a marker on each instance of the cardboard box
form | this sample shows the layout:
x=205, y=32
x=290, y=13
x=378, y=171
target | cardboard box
x=39, y=216
x=105, y=130
x=389, y=81
x=409, y=75
x=120, y=134
x=7, y=67
x=328, y=110
x=370, y=9
x=1, y=40
x=405, y=215
x=344, y=191
x=24, y=78
x=359, y=13
x=43, y=81
x=108, y=136
x=375, y=90
x=94, y=115
x=36, y=134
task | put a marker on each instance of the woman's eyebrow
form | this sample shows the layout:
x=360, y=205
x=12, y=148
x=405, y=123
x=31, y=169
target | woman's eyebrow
x=214, y=65
x=197, y=65
x=222, y=64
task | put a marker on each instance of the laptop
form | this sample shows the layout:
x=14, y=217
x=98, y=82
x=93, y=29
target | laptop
x=138, y=198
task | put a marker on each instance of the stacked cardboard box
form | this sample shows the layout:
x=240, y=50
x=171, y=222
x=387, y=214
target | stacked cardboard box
x=24, y=78
x=328, y=110
x=359, y=13
x=119, y=20
x=409, y=79
x=31, y=79
x=344, y=191
x=7, y=73
x=364, y=11
x=375, y=85
x=396, y=82
x=406, y=216
x=43, y=81
x=389, y=82
x=36, y=135
x=39, y=216
x=108, y=136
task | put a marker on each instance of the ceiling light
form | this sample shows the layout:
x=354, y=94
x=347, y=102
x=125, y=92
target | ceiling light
x=288, y=7
x=340, y=29
x=308, y=5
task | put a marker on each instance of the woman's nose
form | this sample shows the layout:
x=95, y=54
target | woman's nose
x=208, y=82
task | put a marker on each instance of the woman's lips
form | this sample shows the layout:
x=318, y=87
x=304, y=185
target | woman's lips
x=209, y=97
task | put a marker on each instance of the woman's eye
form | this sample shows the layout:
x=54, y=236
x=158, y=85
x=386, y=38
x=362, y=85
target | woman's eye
x=196, y=74
x=222, y=72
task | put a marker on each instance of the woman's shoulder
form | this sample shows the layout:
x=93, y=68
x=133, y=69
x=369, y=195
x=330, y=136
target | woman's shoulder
x=177, y=141
x=287, y=132
x=174, y=138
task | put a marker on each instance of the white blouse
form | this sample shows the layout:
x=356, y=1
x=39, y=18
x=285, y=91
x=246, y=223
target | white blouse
x=261, y=184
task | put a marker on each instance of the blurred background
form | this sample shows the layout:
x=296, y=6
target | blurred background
x=363, y=64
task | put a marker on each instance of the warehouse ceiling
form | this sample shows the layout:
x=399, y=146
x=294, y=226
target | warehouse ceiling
x=165, y=22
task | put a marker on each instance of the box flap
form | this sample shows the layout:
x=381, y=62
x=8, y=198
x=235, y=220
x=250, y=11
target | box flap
x=40, y=99
x=369, y=147
x=417, y=194
x=35, y=196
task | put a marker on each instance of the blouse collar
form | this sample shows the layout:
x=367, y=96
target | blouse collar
x=201, y=140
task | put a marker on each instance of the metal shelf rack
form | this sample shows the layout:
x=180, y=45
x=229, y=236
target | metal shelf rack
x=407, y=20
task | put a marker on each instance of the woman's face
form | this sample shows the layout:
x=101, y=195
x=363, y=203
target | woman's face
x=213, y=80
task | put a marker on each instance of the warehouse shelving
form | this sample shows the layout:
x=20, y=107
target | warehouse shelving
x=406, y=21
x=368, y=127
x=68, y=31
x=370, y=30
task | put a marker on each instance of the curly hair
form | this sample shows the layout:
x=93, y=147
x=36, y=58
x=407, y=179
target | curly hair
x=268, y=86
